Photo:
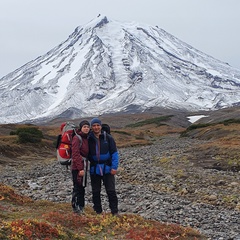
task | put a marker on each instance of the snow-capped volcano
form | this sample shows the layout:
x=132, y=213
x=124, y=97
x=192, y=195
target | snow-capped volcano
x=109, y=66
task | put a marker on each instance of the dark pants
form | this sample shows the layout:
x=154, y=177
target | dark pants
x=78, y=194
x=109, y=183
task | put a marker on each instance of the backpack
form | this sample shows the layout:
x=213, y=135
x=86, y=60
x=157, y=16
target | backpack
x=106, y=128
x=64, y=143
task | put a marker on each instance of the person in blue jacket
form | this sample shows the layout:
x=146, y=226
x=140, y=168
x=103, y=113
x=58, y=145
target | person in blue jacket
x=104, y=160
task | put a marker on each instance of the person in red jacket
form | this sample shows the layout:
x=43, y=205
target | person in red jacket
x=79, y=166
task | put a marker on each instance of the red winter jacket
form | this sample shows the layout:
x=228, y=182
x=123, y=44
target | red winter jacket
x=79, y=152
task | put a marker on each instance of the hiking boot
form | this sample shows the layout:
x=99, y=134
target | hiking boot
x=78, y=209
x=115, y=214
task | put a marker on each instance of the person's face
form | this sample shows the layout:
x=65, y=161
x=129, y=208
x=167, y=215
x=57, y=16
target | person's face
x=96, y=128
x=85, y=129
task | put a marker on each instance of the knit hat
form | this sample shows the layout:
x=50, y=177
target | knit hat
x=96, y=120
x=84, y=122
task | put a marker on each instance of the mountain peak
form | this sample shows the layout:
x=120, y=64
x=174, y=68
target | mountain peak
x=103, y=21
x=97, y=22
x=116, y=68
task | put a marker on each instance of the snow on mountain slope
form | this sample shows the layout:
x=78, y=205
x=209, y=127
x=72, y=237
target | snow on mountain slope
x=109, y=66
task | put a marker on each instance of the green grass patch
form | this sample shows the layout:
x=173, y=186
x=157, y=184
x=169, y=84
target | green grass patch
x=230, y=121
x=28, y=134
x=203, y=125
x=157, y=120
x=122, y=132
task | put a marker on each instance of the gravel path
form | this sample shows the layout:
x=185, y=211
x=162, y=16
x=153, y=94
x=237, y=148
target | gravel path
x=157, y=182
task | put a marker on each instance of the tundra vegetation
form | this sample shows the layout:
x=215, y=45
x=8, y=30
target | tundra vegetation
x=24, y=218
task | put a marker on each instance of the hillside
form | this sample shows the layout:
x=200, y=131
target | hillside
x=220, y=128
x=201, y=160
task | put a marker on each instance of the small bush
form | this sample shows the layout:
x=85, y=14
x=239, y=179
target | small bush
x=28, y=135
x=13, y=133
x=30, y=130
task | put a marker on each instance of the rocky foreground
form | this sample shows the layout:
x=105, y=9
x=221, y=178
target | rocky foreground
x=157, y=181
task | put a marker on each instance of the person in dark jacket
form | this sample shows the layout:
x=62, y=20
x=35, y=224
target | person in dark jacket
x=79, y=166
x=104, y=160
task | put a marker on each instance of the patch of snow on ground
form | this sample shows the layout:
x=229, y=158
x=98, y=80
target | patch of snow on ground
x=193, y=119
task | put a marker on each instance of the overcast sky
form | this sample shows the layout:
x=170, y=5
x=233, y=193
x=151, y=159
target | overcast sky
x=30, y=28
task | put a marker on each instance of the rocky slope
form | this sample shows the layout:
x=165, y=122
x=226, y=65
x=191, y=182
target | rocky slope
x=157, y=181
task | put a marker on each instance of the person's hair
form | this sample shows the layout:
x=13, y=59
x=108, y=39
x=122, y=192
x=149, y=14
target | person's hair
x=82, y=123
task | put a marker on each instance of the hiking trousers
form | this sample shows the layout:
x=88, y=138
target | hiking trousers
x=78, y=193
x=108, y=181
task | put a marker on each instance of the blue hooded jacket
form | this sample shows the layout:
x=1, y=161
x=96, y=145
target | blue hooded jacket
x=103, y=154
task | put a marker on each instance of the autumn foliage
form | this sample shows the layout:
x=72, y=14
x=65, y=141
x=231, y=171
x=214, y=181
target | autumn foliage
x=25, y=219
